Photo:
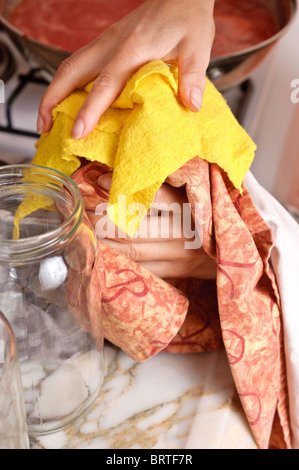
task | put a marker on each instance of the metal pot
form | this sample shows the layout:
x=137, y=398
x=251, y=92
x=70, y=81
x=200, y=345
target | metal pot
x=226, y=71
x=233, y=69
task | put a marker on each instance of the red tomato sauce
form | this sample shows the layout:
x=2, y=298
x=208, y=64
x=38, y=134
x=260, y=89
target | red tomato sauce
x=240, y=25
x=70, y=24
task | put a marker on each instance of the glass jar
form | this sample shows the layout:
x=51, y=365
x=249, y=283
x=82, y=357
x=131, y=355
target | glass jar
x=48, y=266
x=13, y=427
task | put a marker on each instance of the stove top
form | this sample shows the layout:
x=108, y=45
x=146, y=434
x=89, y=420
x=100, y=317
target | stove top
x=23, y=87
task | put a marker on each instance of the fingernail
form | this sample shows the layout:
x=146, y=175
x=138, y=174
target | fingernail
x=78, y=129
x=104, y=181
x=196, y=98
x=40, y=125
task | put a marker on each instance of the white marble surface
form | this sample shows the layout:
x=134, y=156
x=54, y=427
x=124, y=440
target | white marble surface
x=168, y=402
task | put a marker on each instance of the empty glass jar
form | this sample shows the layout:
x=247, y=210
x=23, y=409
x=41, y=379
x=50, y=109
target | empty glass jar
x=13, y=428
x=48, y=266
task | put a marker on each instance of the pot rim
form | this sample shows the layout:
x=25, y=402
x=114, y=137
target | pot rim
x=250, y=50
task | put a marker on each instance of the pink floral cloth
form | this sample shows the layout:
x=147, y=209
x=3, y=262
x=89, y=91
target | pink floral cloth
x=240, y=311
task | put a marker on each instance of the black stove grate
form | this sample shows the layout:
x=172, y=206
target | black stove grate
x=33, y=76
x=7, y=63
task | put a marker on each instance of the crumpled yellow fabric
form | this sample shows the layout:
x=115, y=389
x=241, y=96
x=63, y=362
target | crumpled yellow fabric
x=146, y=135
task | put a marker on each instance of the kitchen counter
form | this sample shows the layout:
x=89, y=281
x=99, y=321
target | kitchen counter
x=171, y=401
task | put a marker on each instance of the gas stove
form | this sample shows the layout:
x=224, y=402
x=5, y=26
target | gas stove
x=23, y=85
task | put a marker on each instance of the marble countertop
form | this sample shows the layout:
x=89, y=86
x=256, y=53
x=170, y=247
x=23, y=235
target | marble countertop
x=171, y=401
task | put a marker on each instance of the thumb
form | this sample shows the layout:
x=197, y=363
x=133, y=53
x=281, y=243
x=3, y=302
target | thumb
x=168, y=195
x=193, y=61
x=104, y=181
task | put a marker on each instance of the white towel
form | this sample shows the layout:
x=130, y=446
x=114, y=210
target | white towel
x=285, y=262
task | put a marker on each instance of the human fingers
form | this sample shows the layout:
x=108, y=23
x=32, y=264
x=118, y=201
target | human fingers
x=162, y=251
x=158, y=29
x=166, y=269
x=152, y=230
x=163, y=220
x=105, y=180
x=76, y=71
x=166, y=194
x=106, y=87
x=181, y=269
x=194, y=53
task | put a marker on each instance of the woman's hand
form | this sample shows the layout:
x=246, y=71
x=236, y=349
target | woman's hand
x=181, y=31
x=165, y=254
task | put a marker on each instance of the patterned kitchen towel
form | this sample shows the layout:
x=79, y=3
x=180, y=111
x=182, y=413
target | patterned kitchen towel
x=144, y=315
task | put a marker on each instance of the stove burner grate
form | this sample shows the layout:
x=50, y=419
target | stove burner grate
x=33, y=76
x=7, y=63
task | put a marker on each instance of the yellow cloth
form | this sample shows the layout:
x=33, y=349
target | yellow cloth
x=146, y=135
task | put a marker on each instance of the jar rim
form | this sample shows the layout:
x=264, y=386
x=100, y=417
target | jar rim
x=42, y=242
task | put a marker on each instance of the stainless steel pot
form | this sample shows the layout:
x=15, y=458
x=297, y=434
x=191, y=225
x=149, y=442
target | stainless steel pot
x=226, y=71
x=231, y=70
